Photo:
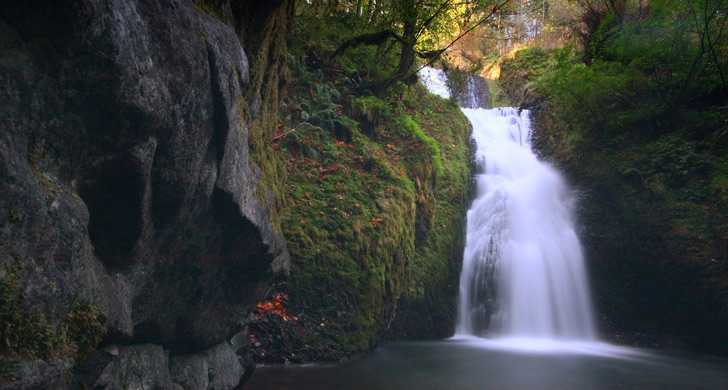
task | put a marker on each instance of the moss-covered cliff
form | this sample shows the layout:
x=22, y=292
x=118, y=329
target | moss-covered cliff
x=376, y=192
x=651, y=170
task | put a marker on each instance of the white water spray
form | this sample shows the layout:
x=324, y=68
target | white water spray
x=523, y=270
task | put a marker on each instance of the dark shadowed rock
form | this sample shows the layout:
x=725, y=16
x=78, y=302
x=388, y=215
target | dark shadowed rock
x=126, y=177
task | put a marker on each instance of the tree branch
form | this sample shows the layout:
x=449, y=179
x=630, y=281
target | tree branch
x=376, y=38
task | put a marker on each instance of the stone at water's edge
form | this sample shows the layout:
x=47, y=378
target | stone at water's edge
x=127, y=183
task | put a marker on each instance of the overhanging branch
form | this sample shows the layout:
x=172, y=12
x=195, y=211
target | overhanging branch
x=376, y=38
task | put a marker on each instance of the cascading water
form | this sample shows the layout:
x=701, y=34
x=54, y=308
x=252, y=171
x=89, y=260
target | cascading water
x=523, y=270
x=520, y=235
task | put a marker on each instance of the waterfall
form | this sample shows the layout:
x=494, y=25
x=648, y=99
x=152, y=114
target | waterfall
x=436, y=81
x=523, y=272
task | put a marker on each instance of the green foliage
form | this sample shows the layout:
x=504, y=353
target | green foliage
x=456, y=80
x=643, y=128
x=399, y=32
x=372, y=110
x=520, y=73
x=602, y=94
x=498, y=98
x=534, y=61
x=644, y=76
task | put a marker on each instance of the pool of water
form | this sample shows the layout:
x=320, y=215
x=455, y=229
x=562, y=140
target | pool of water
x=469, y=363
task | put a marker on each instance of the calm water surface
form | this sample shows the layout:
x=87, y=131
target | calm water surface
x=470, y=364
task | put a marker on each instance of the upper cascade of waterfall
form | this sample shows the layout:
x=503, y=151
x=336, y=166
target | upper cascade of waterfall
x=523, y=269
x=471, y=93
x=436, y=81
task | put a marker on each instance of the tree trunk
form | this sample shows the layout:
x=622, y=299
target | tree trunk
x=409, y=35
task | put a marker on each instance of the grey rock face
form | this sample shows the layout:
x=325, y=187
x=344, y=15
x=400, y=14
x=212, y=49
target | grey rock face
x=140, y=367
x=149, y=366
x=125, y=175
x=217, y=368
x=38, y=374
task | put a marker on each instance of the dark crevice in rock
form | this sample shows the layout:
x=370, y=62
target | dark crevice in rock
x=167, y=199
x=240, y=238
x=147, y=332
x=114, y=195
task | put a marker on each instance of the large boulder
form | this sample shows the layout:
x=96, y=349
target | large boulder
x=127, y=180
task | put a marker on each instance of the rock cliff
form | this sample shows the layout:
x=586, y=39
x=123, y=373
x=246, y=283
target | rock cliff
x=134, y=215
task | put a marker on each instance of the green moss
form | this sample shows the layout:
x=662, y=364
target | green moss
x=27, y=334
x=268, y=73
x=412, y=128
x=22, y=333
x=372, y=107
x=371, y=111
x=344, y=228
x=427, y=307
x=85, y=326
x=375, y=196
x=456, y=81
